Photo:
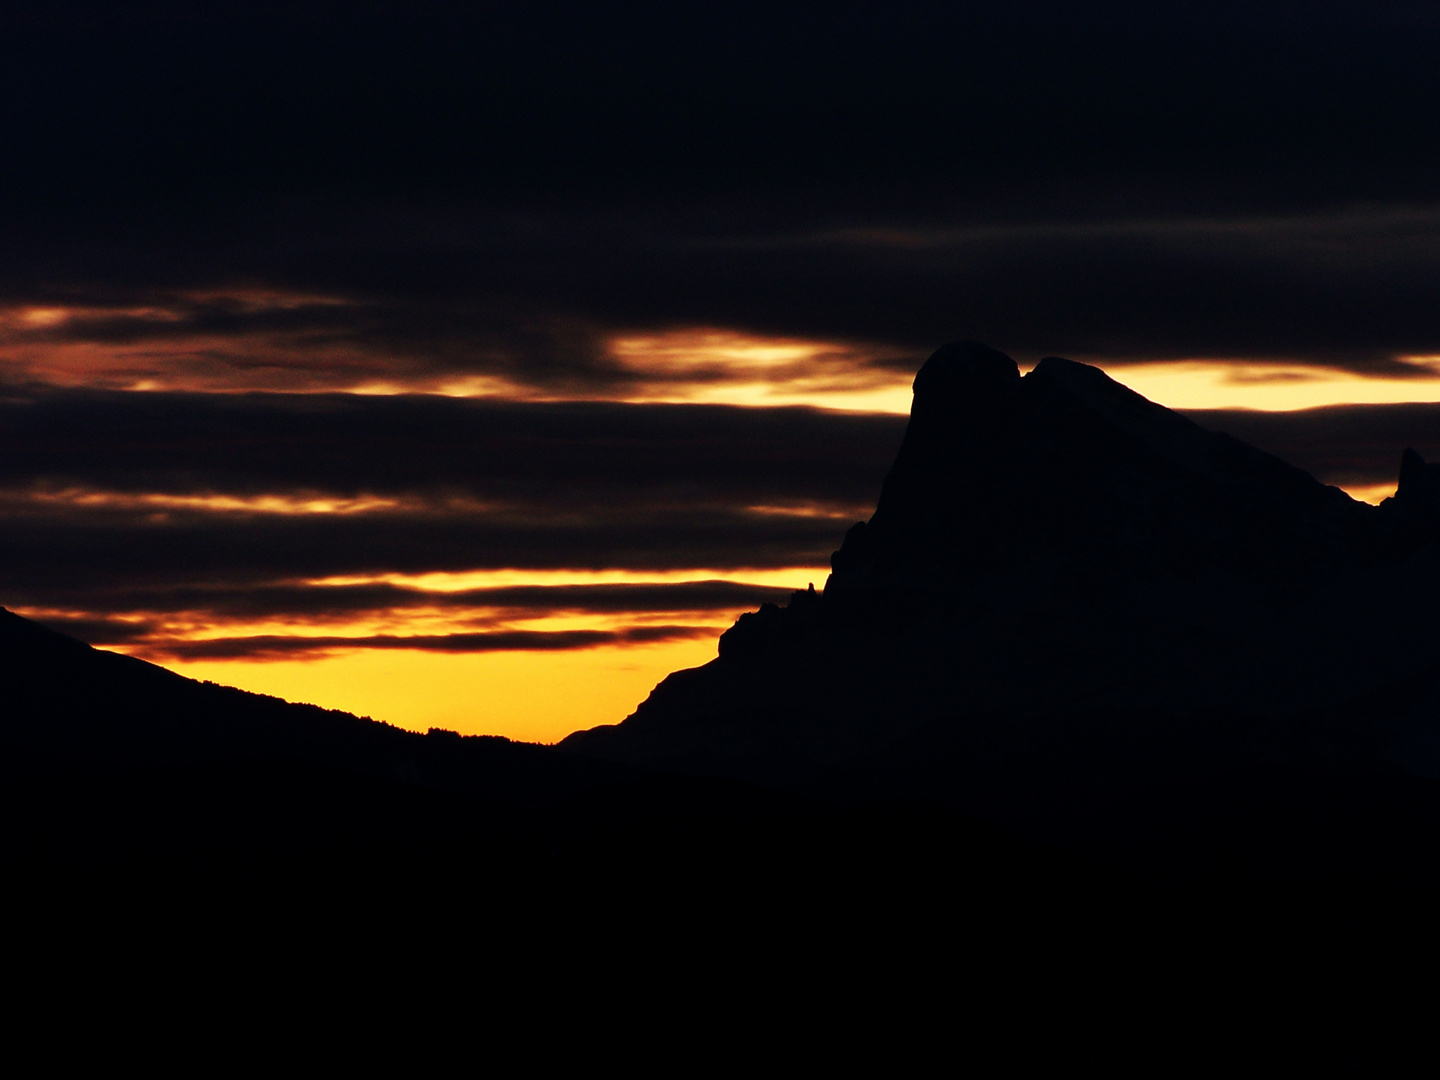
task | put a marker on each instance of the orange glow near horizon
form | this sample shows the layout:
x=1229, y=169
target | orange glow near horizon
x=528, y=696
x=1201, y=384
x=1369, y=493
x=534, y=695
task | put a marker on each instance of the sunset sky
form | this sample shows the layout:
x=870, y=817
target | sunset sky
x=477, y=371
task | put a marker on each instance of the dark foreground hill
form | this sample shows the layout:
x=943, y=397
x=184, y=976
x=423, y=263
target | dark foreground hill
x=74, y=711
x=1109, y=739
x=275, y=869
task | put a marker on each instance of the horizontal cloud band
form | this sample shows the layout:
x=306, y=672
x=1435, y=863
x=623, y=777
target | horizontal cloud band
x=275, y=646
x=147, y=608
x=128, y=518
x=453, y=452
x=464, y=485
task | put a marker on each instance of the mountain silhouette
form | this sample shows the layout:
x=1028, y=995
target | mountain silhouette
x=1069, y=600
x=75, y=711
x=1112, y=736
x=221, y=841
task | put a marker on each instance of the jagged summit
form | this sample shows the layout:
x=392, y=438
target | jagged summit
x=1065, y=463
x=1056, y=552
x=1417, y=495
x=960, y=382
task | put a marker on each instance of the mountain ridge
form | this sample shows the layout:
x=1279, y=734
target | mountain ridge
x=1055, y=545
x=71, y=709
x=1073, y=718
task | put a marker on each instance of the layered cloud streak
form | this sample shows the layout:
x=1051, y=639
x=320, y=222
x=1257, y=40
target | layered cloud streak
x=408, y=335
x=181, y=525
x=652, y=307
x=414, y=521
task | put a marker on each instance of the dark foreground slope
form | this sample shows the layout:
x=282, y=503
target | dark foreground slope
x=73, y=711
x=187, y=857
x=194, y=872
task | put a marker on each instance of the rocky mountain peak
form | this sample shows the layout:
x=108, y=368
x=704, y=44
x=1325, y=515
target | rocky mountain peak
x=999, y=472
x=1055, y=553
x=1413, y=512
x=1419, y=484
x=962, y=381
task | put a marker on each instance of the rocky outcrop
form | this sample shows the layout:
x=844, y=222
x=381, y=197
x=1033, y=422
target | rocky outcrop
x=1413, y=512
x=1000, y=474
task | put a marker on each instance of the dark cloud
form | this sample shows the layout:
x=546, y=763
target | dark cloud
x=276, y=646
x=495, y=193
x=567, y=101
x=479, y=485
x=437, y=298
x=97, y=630
x=38, y=556
x=340, y=602
x=565, y=454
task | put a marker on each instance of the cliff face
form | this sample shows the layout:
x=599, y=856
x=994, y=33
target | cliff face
x=1058, y=566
